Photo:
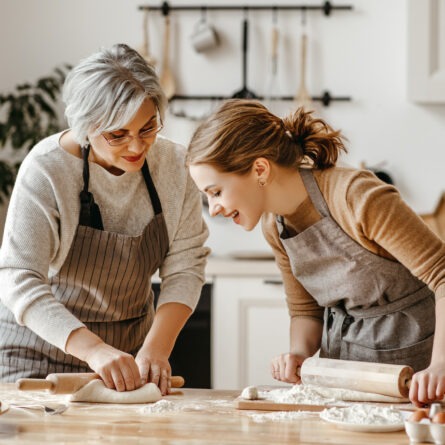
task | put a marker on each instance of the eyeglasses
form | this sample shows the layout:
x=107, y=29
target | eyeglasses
x=146, y=134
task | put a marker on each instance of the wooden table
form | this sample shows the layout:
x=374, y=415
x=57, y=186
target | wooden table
x=201, y=417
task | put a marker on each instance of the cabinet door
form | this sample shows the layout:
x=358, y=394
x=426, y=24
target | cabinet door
x=250, y=325
x=426, y=51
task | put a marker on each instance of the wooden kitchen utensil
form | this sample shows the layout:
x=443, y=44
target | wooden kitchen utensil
x=303, y=98
x=69, y=383
x=146, y=46
x=271, y=89
x=377, y=378
x=166, y=77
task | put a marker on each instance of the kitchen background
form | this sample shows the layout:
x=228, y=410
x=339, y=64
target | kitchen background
x=363, y=54
x=380, y=54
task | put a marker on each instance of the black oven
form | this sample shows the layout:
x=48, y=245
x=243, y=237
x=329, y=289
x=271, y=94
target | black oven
x=191, y=357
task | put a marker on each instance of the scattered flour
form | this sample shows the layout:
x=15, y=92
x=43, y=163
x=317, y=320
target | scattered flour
x=363, y=415
x=162, y=406
x=319, y=395
x=282, y=415
x=305, y=394
x=167, y=406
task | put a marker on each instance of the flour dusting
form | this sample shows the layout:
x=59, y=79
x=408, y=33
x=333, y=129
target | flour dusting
x=363, y=415
x=282, y=415
x=162, y=406
x=305, y=394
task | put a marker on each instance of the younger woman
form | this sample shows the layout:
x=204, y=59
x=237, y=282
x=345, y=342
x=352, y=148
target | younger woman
x=364, y=276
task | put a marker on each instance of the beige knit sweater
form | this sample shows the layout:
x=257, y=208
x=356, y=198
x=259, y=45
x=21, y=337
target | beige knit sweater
x=373, y=214
x=43, y=217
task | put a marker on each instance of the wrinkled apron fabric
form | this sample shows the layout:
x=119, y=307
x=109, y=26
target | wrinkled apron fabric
x=375, y=309
x=105, y=282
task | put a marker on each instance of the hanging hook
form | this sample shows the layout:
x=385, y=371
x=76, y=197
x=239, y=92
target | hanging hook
x=203, y=14
x=303, y=16
x=274, y=15
x=165, y=8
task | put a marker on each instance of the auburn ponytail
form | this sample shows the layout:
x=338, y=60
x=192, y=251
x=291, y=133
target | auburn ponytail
x=320, y=144
x=242, y=130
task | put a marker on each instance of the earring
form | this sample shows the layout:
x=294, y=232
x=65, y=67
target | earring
x=261, y=182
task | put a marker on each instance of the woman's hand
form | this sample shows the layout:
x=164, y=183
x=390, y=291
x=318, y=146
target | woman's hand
x=285, y=366
x=428, y=385
x=117, y=369
x=155, y=369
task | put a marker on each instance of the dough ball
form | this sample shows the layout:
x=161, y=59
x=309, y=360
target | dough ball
x=250, y=393
x=96, y=392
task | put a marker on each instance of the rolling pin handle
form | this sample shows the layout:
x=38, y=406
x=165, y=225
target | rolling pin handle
x=34, y=385
x=177, y=381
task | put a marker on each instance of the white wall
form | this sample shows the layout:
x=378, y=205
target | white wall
x=362, y=54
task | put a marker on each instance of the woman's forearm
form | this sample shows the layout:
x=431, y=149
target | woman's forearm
x=305, y=336
x=170, y=318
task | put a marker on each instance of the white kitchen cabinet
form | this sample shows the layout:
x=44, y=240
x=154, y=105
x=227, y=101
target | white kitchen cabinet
x=426, y=51
x=250, y=325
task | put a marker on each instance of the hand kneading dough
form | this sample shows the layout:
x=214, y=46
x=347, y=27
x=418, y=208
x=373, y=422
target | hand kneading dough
x=96, y=391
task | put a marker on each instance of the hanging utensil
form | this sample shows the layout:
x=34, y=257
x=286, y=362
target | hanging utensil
x=146, y=45
x=244, y=92
x=166, y=77
x=303, y=98
x=271, y=88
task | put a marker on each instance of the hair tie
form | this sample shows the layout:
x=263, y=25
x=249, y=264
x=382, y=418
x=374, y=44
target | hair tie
x=299, y=139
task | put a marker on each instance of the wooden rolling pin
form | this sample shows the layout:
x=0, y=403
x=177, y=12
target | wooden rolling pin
x=377, y=378
x=69, y=383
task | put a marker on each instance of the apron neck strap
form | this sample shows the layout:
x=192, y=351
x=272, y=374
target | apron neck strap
x=155, y=202
x=314, y=191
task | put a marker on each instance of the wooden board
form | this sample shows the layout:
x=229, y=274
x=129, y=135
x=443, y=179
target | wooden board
x=268, y=405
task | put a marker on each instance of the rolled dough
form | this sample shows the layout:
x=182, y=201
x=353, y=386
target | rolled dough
x=96, y=392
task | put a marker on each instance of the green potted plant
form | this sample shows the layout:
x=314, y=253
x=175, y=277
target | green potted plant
x=27, y=115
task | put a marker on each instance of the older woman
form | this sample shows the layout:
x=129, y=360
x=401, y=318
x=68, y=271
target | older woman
x=96, y=210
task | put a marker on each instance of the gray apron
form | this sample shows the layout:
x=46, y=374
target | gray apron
x=375, y=309
x=105, y=282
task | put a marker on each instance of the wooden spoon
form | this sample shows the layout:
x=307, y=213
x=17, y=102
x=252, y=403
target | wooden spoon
x=303, y=98
x=146, y=46
x=166, y=77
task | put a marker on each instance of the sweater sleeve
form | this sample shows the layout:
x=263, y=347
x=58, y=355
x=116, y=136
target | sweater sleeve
x=182, y=272
x=387, y=220
x=299, y=302
x=31, y=239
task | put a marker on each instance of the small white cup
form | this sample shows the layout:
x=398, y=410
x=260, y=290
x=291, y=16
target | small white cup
x=204, y=37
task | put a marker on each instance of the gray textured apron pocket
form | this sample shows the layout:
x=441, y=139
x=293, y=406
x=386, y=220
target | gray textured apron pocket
x=417, y=355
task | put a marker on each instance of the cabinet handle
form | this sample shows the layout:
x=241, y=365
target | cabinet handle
x=274, y=282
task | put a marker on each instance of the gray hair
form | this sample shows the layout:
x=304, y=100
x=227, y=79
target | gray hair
x=105, y=90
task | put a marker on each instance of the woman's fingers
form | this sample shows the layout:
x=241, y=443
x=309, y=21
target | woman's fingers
x=155, y=374
x=165, y=382
x=284, y=368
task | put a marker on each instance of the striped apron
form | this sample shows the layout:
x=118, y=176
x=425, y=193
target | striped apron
x=105, y=282
x=375, y=309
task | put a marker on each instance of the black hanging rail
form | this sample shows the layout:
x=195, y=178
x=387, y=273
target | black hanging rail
x=325, y=98
x=326, y=7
